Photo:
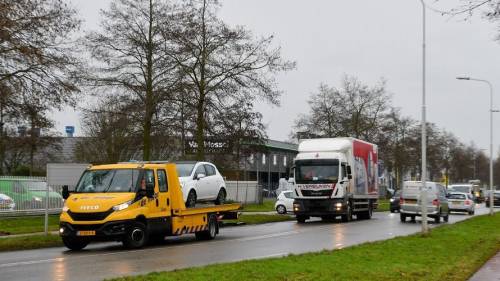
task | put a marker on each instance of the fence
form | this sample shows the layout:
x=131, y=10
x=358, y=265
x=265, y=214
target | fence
x=28, y=196
x=245, y=192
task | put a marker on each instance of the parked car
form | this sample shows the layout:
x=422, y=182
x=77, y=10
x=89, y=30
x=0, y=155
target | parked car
x=30, y=193
x=284, y=204
x=496, y=199
x=411, y=205
x=394, y=201
x=201, y=181
x=461, y=202
x=6, y=203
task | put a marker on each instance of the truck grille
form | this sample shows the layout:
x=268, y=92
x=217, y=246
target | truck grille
x=98, y=216
x=325, y=192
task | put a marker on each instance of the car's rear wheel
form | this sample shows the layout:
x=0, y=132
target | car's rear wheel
x=221, y=197
x=74, y=243
x=437, y=218
x=191, y=199
x=471, y=212
x=280, y=209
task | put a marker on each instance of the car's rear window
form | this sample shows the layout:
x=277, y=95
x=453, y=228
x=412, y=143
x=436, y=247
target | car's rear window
x=457, y=196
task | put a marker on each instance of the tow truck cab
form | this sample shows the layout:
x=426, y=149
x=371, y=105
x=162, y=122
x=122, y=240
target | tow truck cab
x=133, y=203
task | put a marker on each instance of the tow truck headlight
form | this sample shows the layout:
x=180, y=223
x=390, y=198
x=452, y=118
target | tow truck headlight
x=65, y=208
x=122, y=206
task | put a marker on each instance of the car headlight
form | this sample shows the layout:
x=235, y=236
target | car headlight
x=392, y=199
x=122, y=206
x=37, y=199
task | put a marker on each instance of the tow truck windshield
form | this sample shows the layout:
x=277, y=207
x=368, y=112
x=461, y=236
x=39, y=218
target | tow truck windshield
x=118, y=180
x=317, y=171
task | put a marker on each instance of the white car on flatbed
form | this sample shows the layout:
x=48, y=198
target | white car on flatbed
x=201, y=181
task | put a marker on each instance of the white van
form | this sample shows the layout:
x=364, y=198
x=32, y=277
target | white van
x=437, y=201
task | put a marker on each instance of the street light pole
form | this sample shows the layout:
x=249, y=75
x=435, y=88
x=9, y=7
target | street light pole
x=423, y=193
x=491, y=134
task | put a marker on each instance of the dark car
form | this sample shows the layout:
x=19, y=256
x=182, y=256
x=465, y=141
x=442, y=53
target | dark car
x=394, y=201
x=496, y=199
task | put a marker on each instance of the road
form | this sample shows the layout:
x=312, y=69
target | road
x=107, y=260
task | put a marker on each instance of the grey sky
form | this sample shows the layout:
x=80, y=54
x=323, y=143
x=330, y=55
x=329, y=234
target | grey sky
x=368, y=39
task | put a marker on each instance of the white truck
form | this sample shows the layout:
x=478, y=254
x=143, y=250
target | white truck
x=335, y=177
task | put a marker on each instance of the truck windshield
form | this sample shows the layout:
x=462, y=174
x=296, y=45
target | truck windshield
x=117, y=180
x=317, y=171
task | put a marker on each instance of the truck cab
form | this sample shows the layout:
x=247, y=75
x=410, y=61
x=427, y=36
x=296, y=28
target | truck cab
x=132, y=203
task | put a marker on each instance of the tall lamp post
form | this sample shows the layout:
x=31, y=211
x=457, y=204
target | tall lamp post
x=491, y=134
x=423, y=193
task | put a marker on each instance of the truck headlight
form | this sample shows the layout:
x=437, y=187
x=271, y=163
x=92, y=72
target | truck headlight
x=296, y=207
x=122, y=206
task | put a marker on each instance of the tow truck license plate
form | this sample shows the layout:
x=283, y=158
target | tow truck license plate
x=86, y=233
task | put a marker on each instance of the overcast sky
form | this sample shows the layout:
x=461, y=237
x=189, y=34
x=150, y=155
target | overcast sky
x=368, y=39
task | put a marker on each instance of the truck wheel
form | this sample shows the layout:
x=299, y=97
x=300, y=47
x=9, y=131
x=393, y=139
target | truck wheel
x=136, y=236
x=347, y=217
x=212, y=230
x=74, y=244
x=191, y=199
x=280, y=209
x=301, y=219
x=221, y=197
x=402, y=217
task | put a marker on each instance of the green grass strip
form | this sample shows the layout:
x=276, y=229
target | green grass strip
x=451, y=252
x=30, y=224
x=29, y=242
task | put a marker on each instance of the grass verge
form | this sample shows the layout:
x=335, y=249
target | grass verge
x=439, y=256
x=383, y=205
x=266, y=206
x=29, y=242
x=23, y=225
x=259, y=219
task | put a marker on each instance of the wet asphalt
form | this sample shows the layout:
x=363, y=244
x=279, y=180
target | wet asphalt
x=106, y=260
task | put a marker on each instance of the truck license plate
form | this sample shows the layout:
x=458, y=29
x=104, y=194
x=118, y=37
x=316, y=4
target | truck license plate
x=86, y=233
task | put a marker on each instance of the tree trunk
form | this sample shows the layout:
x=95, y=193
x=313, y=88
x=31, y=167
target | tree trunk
x=200, y=128
x=149, y=90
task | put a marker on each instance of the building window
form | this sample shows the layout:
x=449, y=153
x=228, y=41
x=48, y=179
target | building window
x=275, y=160
x=284, y=160
x=263, y=159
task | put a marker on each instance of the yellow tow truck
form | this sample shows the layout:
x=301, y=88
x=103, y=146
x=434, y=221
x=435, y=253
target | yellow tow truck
x=134, y=203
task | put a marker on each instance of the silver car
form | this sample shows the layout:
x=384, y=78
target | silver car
x=461, y=202
x=411, y=205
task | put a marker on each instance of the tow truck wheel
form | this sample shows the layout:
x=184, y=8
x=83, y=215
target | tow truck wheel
x=136, y=237
x=75, y=244
x=212, y=230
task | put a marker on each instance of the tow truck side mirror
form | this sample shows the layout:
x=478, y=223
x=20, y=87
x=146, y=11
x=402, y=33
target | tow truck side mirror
x=65, y=192
x=150, y=189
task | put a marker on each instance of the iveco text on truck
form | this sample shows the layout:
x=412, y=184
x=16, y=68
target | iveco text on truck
x=335, y=177
x=134, y=203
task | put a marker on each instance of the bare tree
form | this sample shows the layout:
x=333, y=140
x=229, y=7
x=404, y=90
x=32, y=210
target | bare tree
x=222, y=63
x=35, y=47
x=354, y=110
x=130, y=55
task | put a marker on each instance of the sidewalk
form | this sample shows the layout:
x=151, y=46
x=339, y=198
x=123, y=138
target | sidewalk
x=490, y=271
